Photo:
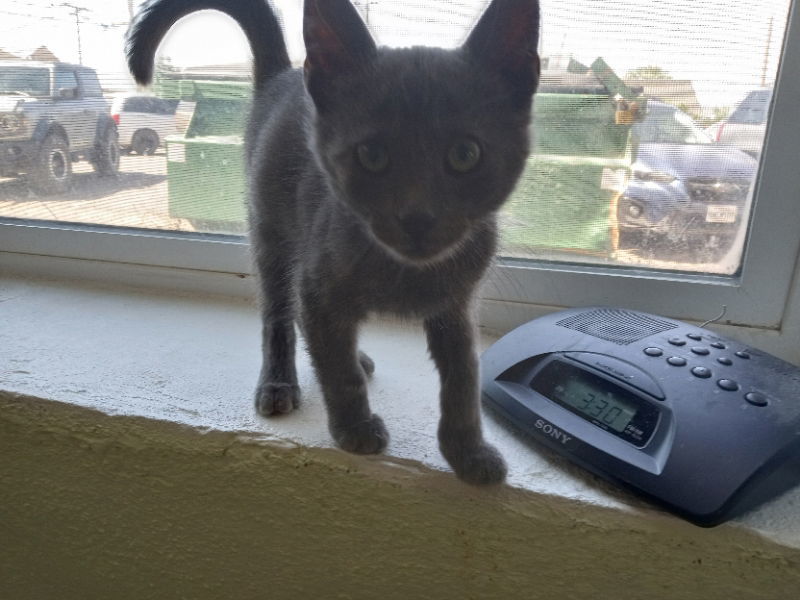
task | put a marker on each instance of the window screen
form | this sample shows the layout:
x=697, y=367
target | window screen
x=649, y=122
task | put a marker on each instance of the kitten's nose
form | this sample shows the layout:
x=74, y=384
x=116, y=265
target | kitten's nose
x=417, y=224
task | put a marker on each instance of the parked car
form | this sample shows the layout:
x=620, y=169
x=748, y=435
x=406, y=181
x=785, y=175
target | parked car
x=685, y=191
x=746, y=126
x=143, y=122
x=52, y=114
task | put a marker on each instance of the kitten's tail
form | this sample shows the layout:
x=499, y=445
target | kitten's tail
x=255, y=17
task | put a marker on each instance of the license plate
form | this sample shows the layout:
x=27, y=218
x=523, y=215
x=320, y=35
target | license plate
x=723, y=213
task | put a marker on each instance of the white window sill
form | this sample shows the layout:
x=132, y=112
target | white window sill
x=194, y=361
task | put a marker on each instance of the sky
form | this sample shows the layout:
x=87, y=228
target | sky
x=724, y=46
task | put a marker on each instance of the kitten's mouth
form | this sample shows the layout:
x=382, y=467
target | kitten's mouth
x=418, y=249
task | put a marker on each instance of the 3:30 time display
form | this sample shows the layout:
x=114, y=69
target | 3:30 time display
x=599, y=400
x=603, y=407
x=595, y=403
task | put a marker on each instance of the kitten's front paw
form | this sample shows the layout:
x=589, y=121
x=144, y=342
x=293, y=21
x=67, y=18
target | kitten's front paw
x=277, y=398
x=366, y=437
x=479, y=465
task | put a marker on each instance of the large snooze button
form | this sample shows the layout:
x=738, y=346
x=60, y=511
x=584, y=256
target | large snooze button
x=729, y=385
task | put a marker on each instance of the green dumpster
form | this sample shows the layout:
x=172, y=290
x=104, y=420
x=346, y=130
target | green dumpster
x=205, y=167
x=565, y=200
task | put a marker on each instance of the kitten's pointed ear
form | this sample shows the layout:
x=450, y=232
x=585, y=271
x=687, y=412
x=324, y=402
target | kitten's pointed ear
x=505, y=39
x=336, y=41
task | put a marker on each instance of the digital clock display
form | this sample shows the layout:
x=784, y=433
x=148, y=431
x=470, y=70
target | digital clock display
x=597, y=400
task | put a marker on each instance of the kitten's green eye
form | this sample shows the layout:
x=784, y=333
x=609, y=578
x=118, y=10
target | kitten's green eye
x=373, y=156
x=464, y=156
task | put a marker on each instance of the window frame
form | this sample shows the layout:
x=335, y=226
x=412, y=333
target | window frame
x=758, y=297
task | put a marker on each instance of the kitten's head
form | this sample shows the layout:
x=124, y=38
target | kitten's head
x=423, y=144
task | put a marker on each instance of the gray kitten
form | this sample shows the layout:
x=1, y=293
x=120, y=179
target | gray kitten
x=375, y=177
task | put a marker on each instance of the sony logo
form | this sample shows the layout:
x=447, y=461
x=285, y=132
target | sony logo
x=553, y=431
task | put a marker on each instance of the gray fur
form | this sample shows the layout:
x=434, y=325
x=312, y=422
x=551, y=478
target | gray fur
x=334, y=242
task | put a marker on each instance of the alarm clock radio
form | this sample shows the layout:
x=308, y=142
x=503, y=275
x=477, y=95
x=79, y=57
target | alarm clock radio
x=698, y=423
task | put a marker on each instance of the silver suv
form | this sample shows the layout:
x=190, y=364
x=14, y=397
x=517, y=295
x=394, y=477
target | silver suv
x=51, y=114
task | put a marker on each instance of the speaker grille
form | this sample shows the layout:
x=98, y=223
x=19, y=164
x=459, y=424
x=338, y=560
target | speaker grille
x=616, y=325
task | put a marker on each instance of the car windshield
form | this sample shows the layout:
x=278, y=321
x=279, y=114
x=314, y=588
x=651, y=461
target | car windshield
x=669, y=126
x=150, y=104
x=25, y=81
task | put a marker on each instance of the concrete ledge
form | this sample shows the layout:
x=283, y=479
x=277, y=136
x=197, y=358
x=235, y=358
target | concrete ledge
x=134, y=466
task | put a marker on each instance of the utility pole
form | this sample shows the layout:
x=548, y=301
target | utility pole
x=78, y=10
x=365, y=4
x=766, y=53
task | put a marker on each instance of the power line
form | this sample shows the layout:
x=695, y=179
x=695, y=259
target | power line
x=84, y=21
x=29, y=16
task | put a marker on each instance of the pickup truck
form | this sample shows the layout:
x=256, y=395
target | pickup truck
x=51, y=114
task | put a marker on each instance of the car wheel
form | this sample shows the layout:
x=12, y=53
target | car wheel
x=51, y=171
x=106, y=152
x=145, y=142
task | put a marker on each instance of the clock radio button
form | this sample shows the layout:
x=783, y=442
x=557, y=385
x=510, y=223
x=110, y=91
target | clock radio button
x=756, y=398
x=653, y=351
x=724, y=360
x=694, y=336
x=677, y=361
x=701, y=350
x=701, y=372
x=729, y=385
x=743, y=354
x=676, y=341
x=718, y=345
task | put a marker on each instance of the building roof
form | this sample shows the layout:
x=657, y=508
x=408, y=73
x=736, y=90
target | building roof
x=8, y=56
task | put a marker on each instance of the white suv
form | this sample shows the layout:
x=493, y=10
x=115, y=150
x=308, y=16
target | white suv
x=143, y=122
x=746, y=126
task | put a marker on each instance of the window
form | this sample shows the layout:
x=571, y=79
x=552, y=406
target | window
x=753, y=109
x=149, y=104
x=90, y=84
x=24, y=80
x=661, y=176
x=66, y=80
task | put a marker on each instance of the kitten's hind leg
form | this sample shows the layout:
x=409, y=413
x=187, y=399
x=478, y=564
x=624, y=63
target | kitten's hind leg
x=342, y=371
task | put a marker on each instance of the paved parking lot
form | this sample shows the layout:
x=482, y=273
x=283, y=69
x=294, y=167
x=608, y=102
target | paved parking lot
x=136, y=198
